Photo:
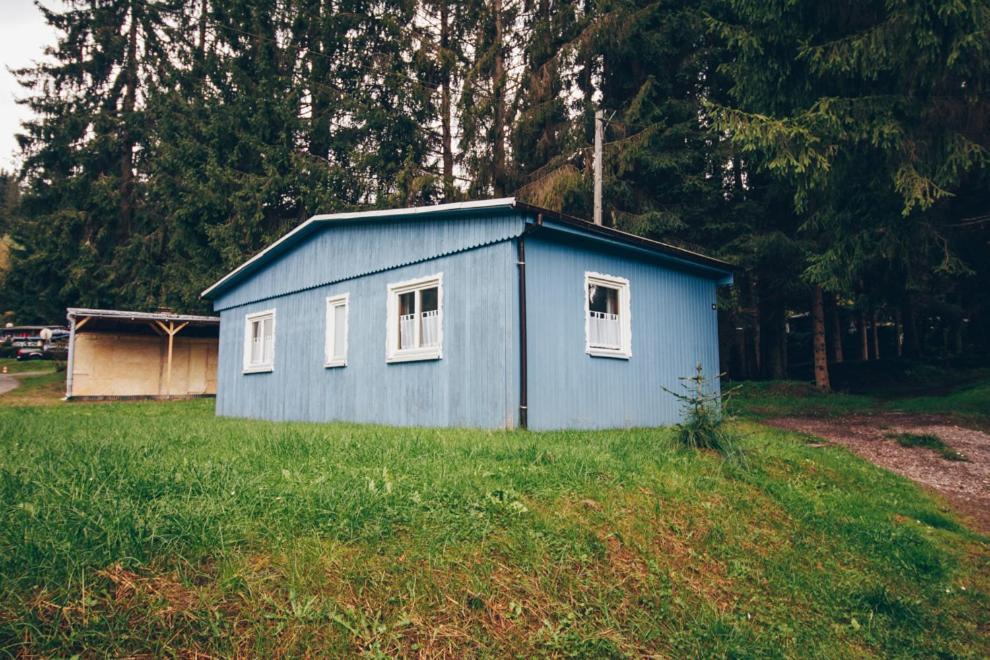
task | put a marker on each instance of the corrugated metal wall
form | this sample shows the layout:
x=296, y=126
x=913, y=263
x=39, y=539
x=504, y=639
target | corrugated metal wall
x=346, y=250
x=474, y=384
x=673, y=328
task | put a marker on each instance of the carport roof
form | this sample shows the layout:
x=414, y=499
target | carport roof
x=125, y=315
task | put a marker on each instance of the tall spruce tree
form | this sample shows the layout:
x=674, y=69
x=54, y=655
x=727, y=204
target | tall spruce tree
x=84, y=152
x=875, y=111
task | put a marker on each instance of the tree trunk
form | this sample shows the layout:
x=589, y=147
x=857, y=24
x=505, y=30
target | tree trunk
x=126, y=135
x=836, y=334
x=741, y=347
x=957, y=337
x=876, y=337
x=864, y=339
x=321, y=103
x=899, y=333
x=739, y=190
x=784, y=357
x=757, y=329
x=498, y=90
x=911, y=340
x=201, y=40
x=820, y=355
x=773, y=317
x=447, y=135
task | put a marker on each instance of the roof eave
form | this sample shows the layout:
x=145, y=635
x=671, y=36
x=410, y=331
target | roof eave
x=722, y=269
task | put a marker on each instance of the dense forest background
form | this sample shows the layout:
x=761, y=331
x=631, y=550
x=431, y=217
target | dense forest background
x=837, y=151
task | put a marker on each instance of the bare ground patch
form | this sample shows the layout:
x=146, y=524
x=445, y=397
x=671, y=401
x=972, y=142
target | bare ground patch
x=965, y=484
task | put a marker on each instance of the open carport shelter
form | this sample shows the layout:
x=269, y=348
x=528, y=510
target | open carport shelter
x=122, y=354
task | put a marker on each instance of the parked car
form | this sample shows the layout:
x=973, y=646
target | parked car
x=32, y=353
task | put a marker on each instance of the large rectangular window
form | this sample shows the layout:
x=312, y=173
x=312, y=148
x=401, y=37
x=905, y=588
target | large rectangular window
x=259, y=341
x=415, y=319
x=336, y=332
x=607, y=322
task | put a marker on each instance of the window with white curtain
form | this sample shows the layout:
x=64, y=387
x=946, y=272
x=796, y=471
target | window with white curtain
x=259, y=341
x=336, y=337
x=415, y=319
x=607, y=322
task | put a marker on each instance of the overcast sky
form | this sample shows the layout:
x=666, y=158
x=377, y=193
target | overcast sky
x=23, y=37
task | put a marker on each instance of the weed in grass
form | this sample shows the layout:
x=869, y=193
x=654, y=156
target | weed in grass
x=927, y=441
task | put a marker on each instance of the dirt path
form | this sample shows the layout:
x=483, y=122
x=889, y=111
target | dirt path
x=7, y=383
x=10, y=382
x=965, y=484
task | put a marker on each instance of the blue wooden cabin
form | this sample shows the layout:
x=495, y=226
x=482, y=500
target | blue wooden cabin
x=479, y=314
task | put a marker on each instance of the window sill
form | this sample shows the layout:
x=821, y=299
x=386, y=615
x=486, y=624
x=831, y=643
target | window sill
x=609, y=353
x=335, y=364
x=414, y=356
x=260, y=369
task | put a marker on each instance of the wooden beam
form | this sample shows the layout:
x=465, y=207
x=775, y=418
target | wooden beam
x=83, y=321
x=171, y=328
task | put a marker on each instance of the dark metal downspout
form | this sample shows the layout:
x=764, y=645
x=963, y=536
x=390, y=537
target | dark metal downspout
x=523, y=395
x=523, y=359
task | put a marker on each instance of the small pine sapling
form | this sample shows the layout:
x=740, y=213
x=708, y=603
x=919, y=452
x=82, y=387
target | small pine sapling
x=703, y=423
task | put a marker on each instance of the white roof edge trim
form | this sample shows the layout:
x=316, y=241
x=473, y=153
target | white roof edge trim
x=501, y=202
x=506, y=202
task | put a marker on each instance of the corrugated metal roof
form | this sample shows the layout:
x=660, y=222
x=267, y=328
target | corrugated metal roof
x=317, y=220
x=125, y=315
x=588, y=229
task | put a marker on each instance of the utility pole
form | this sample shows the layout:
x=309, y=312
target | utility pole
x=599, y=137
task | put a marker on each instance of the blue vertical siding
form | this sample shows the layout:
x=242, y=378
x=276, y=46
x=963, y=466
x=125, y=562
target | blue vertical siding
x=673, y=328
x=339, y=251
x=474, y=384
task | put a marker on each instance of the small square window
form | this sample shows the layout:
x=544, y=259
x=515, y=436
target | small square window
x=259, y=341
x=335, y=354
x=607, y=321
x=415, y=319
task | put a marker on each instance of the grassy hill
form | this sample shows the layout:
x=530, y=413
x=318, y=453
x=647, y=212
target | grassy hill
x=128, y=528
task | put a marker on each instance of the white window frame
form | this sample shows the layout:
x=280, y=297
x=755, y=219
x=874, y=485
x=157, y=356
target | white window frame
x=342, y=300
x=263, y=367
x=624, y=351
x=392, y=351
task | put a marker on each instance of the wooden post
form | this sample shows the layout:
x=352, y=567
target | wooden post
x=171, y=330
x=74, y=327
x=70, y=358
x=599, y=137
x=168, y=372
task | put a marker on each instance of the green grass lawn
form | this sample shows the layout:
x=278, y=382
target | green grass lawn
x=158, y=528
x=15, y=366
